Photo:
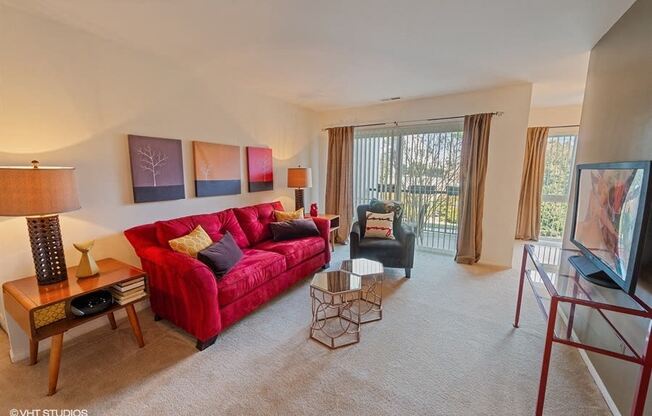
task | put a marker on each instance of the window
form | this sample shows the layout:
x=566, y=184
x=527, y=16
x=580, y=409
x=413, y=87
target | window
x=419, y=166
x=560, y=159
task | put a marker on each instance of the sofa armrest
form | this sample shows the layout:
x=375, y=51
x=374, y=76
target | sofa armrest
x=183, y=290
x=407, y=238
x=354, y=239
x=324, y=227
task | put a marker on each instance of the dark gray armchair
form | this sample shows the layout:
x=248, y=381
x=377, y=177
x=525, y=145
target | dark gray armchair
x=392, y=253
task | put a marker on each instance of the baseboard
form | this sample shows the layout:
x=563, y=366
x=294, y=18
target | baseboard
x=598, y=381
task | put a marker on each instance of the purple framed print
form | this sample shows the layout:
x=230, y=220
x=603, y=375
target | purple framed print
x=156, y=168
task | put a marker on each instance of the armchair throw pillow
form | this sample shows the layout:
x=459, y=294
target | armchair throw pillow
x=379, y=206
x=379, y=225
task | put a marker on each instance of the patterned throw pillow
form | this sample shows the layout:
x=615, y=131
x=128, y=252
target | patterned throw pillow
x=376, y=205
x=379, y=225
x=288, y=215
x=191, y=243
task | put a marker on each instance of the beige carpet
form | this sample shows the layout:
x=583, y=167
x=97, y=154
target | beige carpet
x=446, y=346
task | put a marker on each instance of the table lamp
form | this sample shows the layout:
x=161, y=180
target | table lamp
x=299, y=178
x=40, y=193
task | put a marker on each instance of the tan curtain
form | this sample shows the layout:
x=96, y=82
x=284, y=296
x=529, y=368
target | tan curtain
x=339, y=178
x=473, y=169
x=528, y=224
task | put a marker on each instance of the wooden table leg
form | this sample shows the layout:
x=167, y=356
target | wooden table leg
x=333, y=240
x=33, y=351
x=55, y=361
x=112, y=320
x=135, y=325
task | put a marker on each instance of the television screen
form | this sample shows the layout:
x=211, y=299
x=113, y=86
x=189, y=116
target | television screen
x=608, y=202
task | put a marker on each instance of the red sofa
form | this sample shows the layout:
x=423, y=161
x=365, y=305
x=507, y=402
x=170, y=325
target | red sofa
x=184, y=290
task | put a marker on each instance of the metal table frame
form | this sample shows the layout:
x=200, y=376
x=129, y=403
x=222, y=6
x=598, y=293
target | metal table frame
x=582, y=297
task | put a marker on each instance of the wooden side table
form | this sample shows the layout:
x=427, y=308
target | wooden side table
x=24, y=297
x=334, y=220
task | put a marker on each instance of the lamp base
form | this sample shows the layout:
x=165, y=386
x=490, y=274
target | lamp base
x=298, y=199
x=47, y=249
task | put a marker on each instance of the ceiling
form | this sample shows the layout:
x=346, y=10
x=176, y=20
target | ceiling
x=342, y=53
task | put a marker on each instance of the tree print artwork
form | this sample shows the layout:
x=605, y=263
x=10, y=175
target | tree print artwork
x=152, y=161
x=260, y=169
x=156, y=168
x=217, y=169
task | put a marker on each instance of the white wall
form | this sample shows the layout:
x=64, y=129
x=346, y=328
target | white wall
x=506, y=148
x=70, y=98
x=555, y=116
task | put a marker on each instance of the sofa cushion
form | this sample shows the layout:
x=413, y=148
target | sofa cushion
x=215, y=225
x=377, y=248
x=230, y=223
x=295, y=251
x=255, y=220
x=255, y=268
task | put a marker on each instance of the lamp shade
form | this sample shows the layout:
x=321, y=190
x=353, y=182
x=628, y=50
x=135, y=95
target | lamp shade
x=37, y=190
x=299, y=177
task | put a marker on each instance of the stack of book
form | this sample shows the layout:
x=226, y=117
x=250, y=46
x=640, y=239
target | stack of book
x=129, y=291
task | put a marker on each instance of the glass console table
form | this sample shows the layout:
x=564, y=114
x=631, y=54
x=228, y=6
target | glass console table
x=583, y=315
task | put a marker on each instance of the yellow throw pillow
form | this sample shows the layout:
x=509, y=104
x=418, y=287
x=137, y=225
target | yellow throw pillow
x=288, y=215
x=191, y=243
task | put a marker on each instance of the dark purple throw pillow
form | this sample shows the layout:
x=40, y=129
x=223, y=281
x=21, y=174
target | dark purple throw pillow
x=220, y=257
x=288, y=230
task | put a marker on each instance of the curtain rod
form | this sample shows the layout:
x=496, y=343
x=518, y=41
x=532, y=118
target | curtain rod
x=396, y=123
x=563, y=127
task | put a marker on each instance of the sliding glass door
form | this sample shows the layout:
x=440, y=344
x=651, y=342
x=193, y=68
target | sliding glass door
x=418, y=166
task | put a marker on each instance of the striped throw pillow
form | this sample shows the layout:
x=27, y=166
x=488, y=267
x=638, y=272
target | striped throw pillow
x=379, y=225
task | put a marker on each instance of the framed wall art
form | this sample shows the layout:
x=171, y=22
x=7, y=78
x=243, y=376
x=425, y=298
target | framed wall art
x=217, y=169
x=260, y=169
x=156, y=168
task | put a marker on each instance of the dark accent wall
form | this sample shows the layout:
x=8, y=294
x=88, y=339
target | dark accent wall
x=617, y=125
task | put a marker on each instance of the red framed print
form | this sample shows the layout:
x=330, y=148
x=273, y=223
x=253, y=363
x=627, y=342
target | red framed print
x=260, y=169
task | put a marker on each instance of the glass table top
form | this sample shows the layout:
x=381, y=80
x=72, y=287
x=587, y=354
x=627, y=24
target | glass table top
x=596, y=318
x=563, y=281
x=337, y=281
x=362, y=267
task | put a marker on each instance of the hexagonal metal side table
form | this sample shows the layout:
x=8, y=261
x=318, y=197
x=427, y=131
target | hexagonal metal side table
x=370, y=306
x=334, y=322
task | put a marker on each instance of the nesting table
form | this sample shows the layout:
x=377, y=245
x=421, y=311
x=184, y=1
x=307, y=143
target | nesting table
x=343, y=300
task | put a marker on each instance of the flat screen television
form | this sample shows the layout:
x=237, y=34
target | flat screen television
x=610, y=223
